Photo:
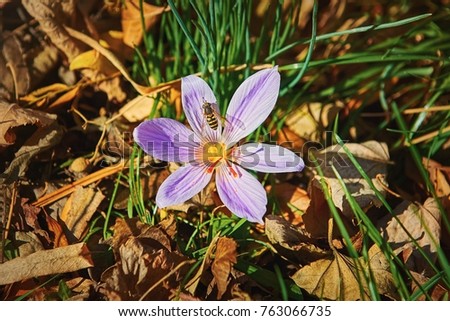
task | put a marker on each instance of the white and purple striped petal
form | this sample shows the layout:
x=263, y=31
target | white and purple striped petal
x=241, y=193
x=194, y=93
x=182, y=185
x=267, y=158
x=251, y=104
x=166, y=139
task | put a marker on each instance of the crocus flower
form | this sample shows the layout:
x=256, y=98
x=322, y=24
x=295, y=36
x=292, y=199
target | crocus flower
x=206, y=151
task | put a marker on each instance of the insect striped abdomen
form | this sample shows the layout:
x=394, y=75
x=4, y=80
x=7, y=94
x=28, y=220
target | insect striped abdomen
x=211, y=118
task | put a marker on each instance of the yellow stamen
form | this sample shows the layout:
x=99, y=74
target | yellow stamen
x=213, y=153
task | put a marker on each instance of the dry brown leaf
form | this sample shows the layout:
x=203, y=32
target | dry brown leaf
x=329, y=279
x=147, y=265
x=310, y=120
x=423, y=223
x=42, y=139
x=436, y=293
x=340, y=278
x=60, y=260
x=137, y=109
x=191, y=285
x=55, y=17
x=79, y=209
x=27, y=243
x=52, y=15
x=12, y=116
x=92, y=59
x=373, y=157
x=132, y=23
x=225, y=258
x=23, y=69
x=59, y=238
x=65, y=98
x=143, y=90
x=125, y=228
x=317, y=214
x=439, y=176
x=380, y=268
x=292, y=242
x=44, y=95
x=116, y=146
x=288, y=139
x=293, y=201
x=114, y=39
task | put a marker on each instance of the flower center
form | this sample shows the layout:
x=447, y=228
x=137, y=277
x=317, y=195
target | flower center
x=214, y=152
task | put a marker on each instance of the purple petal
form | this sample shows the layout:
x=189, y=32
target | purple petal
x=194, y=93
x=241, y=193
x=251, y=104
x=267, y=158
x=166, y=139
x=182, y=185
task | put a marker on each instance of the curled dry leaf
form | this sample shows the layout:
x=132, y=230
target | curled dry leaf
x=225, y=258
x=114, y=39
x=27, y=243
x=423, y=224
x=310, y=120
x=329, y=279
x=372, y=156
x=288, y=139
x=55, y=17
x=292, y=242
x=439, y=176
x=437, y=293
x=132, y=21
x=137, y=109
x=55, y=95
x=57, y=232
x=79, y=209
x=318, y=213
x=60, y=260
x=293, y=201
x=126, y=228
x=24, y=60
x=92, y=59
x=341, y=278
x=13, y=116
x=42, y=139
x=52, y=16
x=147, y=266
x=143, y=90
x=191, y=285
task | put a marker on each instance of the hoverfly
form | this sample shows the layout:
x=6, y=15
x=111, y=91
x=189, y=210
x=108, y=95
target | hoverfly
x=210, y=115
x=213, y=117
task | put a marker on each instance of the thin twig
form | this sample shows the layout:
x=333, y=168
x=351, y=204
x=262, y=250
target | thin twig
x=426, y=110
x=428, y=136
x=384, y=186
x=84, y=181
x=11, y=209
